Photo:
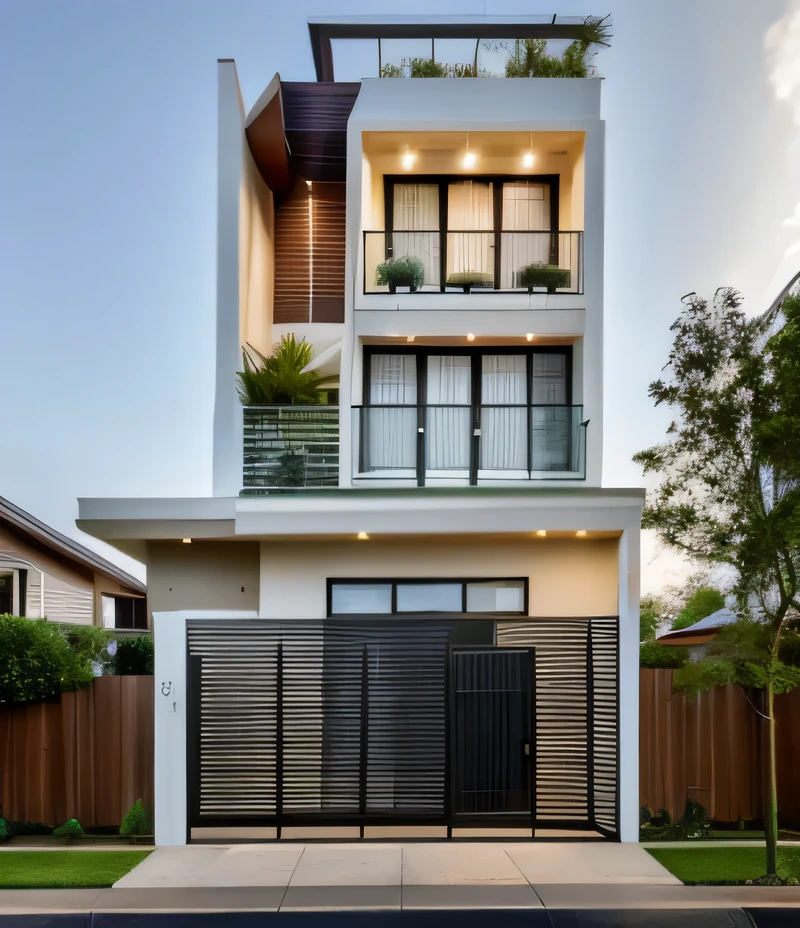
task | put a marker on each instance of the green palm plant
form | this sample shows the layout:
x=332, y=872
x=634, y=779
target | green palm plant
x=278, y=380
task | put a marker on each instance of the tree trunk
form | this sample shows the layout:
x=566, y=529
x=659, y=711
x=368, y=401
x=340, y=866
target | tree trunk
x=770, y=784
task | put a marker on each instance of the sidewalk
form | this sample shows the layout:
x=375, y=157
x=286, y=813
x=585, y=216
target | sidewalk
x=301, y=877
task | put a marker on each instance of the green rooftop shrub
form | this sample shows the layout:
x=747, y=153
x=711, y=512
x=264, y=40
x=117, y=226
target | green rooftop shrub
x=407, y=271
x=539, y=274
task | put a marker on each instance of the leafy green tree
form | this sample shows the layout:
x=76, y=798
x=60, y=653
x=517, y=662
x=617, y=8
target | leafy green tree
x=729, y=489
x=701, y=604
x=278, y=380
x=654, y=656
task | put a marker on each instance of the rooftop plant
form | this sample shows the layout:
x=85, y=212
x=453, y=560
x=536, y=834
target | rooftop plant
x=529, y=57
x=407, y=271
x=278, y=380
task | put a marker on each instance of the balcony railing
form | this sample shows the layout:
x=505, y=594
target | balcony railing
x=442, y=444
x=290, y=447
x=455, y=261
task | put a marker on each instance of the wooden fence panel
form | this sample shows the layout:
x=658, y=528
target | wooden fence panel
x=708, y=749
x=88, y=755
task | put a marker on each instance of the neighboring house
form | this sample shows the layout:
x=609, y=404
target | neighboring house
x=697, y=637
x=418, y=607
x=44, y=574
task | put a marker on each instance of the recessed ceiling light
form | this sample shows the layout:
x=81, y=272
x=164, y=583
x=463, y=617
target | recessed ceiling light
x=187, y=541
x=530, y=336
x=542, y=533
x=470, y=337
x=408, y=160
x=410, y=338
x=363, y=536
x=581, y=533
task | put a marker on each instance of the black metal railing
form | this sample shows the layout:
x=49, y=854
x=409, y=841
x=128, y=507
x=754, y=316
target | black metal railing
x=290, y=447
x=470, y=443
x=479, y=261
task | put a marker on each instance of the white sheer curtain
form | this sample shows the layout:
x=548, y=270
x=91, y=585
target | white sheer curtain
x=526, y=209
x=391, y=438
x=504, y=432
x=415, y=220
x=470, y=207
x=448, y=428
x=550, y=427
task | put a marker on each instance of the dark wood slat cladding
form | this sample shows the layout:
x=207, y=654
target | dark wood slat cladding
x=328, y=230
x=315, y=119
x=293, y=257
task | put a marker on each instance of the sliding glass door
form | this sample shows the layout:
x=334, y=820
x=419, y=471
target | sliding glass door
x=389, y=427
x=448, y=417
x=470, y=234
x=503, y=413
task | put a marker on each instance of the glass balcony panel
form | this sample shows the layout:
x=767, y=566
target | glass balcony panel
x=290, y=446
x=458, y=56
x=504, y=438
x=354, y=59
x=398, y=56
x=447, y=438
x=387, y=440
x=558, y=439
x=470, y=260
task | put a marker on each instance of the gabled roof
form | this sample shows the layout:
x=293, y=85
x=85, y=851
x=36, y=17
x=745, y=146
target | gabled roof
x=49, y=541
x=705, y=628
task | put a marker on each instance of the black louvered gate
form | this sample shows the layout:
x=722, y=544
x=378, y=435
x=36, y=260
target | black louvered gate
x=375, y=721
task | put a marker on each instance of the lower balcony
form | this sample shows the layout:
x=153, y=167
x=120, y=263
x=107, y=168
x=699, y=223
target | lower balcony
x=446, y=445
x=290, y=447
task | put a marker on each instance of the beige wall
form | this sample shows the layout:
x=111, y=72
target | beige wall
x=566, y=577
x=256, y=257
x=202, y=575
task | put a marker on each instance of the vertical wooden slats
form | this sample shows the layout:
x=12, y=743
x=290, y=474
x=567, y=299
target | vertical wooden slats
x=328, y=252
x=292, y=298
x=87, y=755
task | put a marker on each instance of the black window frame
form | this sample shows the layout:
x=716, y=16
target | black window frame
x=418, y=581
x=139, y=611
x=443, y=181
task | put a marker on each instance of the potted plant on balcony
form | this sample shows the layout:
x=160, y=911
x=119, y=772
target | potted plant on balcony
x=469, y=279
x=400, y=272
x=550, y=276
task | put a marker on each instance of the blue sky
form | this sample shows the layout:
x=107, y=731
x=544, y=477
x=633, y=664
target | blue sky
x=107, y=215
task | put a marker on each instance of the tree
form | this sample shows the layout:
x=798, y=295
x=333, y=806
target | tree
x=701, y=604
x=654, y=656
x=729, y=489
x=278, y=380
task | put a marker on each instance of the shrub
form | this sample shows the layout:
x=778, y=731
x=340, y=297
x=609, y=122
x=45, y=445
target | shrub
x=407, y=271
x=655, y=656
x=544, y=275
x=278, y=380
x=37, y=662
x=10, y=829
x=136, y=821
x=700, y=604
x=134, y=657
x=71, y=827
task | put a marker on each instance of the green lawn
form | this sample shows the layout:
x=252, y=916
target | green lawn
x=725, y=864
x=65, y=869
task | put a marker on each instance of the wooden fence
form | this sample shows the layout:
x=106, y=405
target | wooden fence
x=88, y=755
x=708, y=749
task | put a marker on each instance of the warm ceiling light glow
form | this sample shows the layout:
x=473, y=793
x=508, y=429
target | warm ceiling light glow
x=470, y=337
x=308, y=184
x=187, y=541
x=410, y=338
x=408, y=160
x=530, y=336
x=581, y=533
x=542, y=533
x=470, y=159
x=528, y=159
x=363, y=536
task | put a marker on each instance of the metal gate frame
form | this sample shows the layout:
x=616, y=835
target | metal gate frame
x=363, y=817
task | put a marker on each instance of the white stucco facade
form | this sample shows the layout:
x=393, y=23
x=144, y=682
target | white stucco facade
x=271, y=555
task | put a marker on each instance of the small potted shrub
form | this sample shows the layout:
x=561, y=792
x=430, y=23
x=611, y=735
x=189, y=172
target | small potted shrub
x=544, y=275
x=469, y=279
x=400, y=272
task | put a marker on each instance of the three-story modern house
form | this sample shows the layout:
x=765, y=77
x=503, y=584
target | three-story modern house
x=414, y=605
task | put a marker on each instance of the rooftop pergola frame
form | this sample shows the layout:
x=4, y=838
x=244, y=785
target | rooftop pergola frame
x=322, y=31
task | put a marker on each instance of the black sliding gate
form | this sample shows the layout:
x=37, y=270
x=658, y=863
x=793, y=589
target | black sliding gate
x=417, y=721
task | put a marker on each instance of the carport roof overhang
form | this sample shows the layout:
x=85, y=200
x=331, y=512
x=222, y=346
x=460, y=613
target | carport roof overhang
x=128, y=524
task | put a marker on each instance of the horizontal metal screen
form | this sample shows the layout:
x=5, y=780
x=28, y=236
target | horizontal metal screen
x=576, y=717
x=341, y=720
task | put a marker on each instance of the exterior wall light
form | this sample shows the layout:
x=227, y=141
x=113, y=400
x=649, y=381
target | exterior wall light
x=187, y=541
x=470, y=157
x=470, y=337
x=363, y=536
x=529, y=159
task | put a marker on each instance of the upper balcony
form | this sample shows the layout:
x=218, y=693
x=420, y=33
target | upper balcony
x=478, y=212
